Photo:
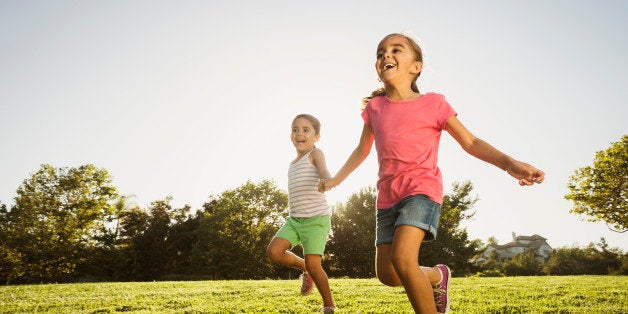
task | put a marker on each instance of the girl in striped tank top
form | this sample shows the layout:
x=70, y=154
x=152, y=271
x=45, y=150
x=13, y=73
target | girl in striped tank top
x=309, y=221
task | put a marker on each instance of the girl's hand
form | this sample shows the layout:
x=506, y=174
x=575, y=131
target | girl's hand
x=525, y=173
x=325, y=185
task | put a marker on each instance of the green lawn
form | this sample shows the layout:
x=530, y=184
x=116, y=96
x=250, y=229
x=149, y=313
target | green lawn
x=570, y=294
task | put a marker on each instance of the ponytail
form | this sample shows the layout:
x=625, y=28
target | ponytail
x=382, y=92
x=378, y=92
x=413, y=86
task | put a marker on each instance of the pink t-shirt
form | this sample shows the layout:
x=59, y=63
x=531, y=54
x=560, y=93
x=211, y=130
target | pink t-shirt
x=407, y=134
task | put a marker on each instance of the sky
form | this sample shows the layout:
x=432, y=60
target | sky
x=191, y=98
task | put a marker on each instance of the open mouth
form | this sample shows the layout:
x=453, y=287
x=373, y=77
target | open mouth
x=388, y=66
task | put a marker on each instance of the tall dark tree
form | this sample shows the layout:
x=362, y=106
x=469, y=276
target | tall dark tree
x=595, y=259
x=106, y=261
x=133, y=225
x=351, y=247
x=181, y=240
x=235, y=229
x=524, y=264
x=148, y=238
x=58, y=214
x=10, y=265
x=452, y=245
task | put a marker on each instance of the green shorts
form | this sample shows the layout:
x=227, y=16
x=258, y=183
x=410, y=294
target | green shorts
x=310, y=232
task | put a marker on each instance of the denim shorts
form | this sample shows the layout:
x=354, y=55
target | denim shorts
x=416, y=210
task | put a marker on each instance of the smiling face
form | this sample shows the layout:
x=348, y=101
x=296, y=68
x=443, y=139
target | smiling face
x=303, y=135
x=397, y=61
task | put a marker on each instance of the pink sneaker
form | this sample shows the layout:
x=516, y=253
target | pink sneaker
x=441, y=290
x=307, y=284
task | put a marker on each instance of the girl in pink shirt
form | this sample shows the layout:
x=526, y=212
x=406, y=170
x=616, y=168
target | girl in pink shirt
x=406, y=127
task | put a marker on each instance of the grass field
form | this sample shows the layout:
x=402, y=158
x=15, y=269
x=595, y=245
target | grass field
x=574, y=294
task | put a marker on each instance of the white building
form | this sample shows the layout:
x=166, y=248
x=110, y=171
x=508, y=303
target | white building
x=519, y=245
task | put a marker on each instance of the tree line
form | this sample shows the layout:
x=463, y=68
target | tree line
x=594, y=259
x=70, y=225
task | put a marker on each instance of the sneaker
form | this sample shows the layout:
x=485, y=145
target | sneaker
x=307, y=284
x=441, y=290
x=327, y=309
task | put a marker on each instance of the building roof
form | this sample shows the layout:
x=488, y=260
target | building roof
x=536, y=241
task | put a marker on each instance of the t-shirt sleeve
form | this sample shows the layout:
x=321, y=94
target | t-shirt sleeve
x=365, y=114
x=445, y=111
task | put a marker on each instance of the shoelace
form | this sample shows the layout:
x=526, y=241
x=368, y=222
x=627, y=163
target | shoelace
x=438, y=292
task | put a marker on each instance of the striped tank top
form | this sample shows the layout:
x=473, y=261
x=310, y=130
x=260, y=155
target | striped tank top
x=304, y=198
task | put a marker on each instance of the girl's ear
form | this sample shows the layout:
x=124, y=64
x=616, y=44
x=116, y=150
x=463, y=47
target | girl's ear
x=416, y=68
x=318, y=137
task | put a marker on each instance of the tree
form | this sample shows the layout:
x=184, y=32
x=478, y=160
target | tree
x=133, y=225
x=452, y=245
x=235, y=229
x=152, y=247
x=9, y=257
x=600, y=191
x=58, y=214
x=106, y=261
x=524, y=264
x=595, y=259
x=351, y=247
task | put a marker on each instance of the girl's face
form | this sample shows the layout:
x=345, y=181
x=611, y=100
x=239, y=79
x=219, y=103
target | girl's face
x=396, y=62
x=303, y=135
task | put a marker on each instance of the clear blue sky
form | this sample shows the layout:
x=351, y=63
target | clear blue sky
x=191, y=98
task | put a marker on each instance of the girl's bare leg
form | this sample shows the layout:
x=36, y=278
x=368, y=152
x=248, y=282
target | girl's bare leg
x=397, y=264
x=277, y=252
x=386, y=271
x=315, y=269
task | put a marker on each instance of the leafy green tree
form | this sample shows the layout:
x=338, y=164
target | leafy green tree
x=58, y=214
x=148, y=240
x=133, y=225
x=155, y=247
x=595, y=259
x=452, y=245
x=566, y=261
x=106, y=261
x=600, y=191
x=602, y=259
x=235, y=229
x=351, y=247
x=524, y=264
x=9, y=257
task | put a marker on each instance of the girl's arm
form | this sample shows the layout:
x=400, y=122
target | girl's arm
x=525, y=173
x=355, y=159
x=317, y=158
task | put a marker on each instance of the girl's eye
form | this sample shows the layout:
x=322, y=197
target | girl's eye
x=380, y=55
x=396, y=50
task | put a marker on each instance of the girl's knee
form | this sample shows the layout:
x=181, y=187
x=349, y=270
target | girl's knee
x=274, y=253
x=313, y=267
x=391, y=280
x=403, y=265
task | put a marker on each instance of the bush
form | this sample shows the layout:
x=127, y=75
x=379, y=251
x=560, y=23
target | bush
x=489, y=273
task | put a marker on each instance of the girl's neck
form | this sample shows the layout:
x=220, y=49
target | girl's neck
x=401, y=94
x=300, y=154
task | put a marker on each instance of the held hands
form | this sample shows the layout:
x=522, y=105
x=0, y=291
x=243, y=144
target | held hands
x=525, y=173
x=325, y=185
